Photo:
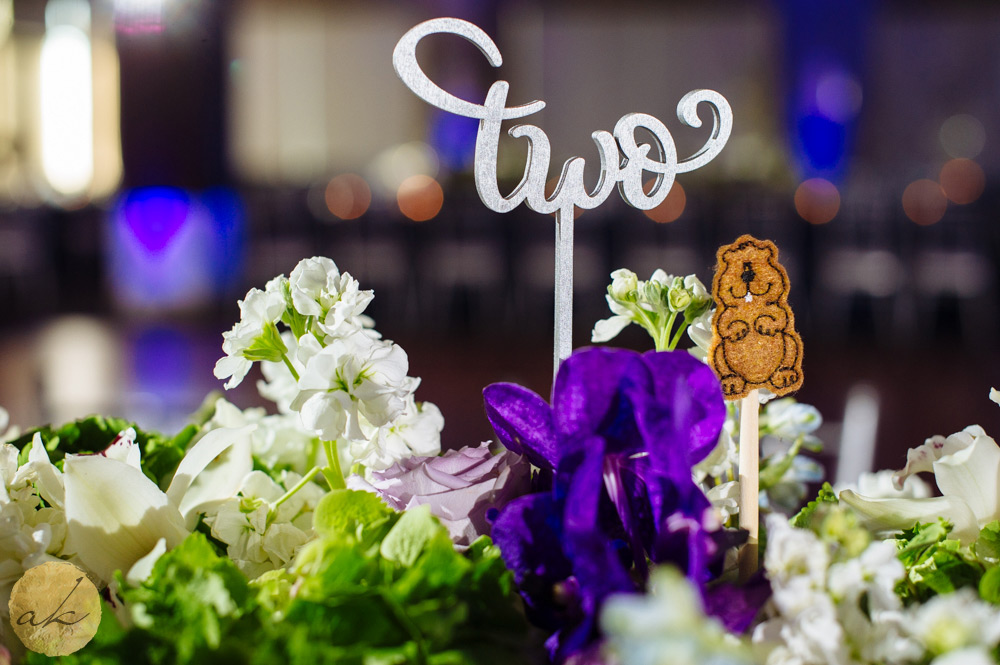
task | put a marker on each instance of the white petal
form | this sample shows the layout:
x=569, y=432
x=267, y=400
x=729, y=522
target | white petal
x=236, y=367
x=973, y=475
x=994, y=395
x=48, y=477
x=142, y=568
x=922, y=458
x=607, y=329
x=115, y=514
x=898, y=514
x=201, y=455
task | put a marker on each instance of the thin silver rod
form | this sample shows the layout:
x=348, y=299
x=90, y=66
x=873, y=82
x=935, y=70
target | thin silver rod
x=564, y=287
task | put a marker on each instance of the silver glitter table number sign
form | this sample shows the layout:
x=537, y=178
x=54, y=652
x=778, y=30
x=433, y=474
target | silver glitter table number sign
x=623, y=159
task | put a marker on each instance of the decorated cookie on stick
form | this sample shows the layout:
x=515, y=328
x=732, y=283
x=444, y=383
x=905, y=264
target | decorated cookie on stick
x=754, y=346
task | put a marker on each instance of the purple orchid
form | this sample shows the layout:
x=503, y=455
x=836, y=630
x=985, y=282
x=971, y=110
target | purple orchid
x=619, y=440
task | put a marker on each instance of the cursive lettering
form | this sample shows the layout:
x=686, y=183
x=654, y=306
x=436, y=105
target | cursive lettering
x=624, y=160
x=52, y=618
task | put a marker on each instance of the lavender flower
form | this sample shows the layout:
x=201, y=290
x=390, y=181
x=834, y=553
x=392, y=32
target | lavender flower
x=463, y=488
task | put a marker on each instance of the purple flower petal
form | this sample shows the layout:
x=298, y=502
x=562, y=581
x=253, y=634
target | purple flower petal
x=523, y=422
x=737, y=606
x=587, y=388
x=529, y=532
x=687, y=397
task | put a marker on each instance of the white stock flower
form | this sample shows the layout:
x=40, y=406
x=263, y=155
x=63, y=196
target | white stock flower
x=721, y=460
x=697, y=289
x=794, y=553
x=257, y=310
x=29, y=535
x=700, y=332
x=320, y=290
x=725, y=499
x=788, y=419
x=668, y=626
x=967, y=656
x=260, y=537
x=416, y=432
x=607, y=329
x=953, y=621
x=352, y=383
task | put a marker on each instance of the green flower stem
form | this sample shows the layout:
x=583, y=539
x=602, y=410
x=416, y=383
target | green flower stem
x=677, y=336
x=663, y=339
x=334, y=476
x=299, y=485
x=288, y=364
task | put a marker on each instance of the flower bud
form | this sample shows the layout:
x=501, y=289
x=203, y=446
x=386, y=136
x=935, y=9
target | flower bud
x=623, y=285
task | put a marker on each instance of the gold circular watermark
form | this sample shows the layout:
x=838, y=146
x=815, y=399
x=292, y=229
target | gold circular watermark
x=55, y=608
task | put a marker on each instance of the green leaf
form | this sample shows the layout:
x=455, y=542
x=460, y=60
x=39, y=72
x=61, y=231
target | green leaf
x=353, y=514
x=987, y=546
x=193, y=602
x=804, y=518
x=407, y=539
x=935, y=564
x=989, y=586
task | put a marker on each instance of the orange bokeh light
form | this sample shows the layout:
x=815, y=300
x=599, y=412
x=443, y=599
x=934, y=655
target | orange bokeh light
x=348, y=196
x=817, y=201
x=962, y=180
x=420, y=198
x=671, y=208
x=924, y=202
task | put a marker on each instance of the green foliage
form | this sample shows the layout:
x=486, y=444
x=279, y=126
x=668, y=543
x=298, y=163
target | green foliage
x=374, y=588
x=826, y=496
x=987, y=546
x=160, y=454
x=989, y=586
x=934, y=563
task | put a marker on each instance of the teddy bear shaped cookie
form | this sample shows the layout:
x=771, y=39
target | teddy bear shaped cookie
x=754, y=342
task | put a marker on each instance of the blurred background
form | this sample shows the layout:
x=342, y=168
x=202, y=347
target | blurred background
x=160, y=157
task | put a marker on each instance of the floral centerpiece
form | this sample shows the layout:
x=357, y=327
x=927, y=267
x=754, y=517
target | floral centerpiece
x=599, y=527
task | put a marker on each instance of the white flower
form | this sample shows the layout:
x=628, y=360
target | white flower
x=666, y=627
x=29, y=534
x=415, y=432
x=623, y=284
x=968, y=656
x=788, y=419
x=954, y=621
x=700, y=332
x=921, y=459
x=311, y=282
x=116, y=515
x=721, y=460
x=696, y=288
x=967, y=470
x=257, y=310
x=352, y=382
x=812, y=637
x=794, y=553
x=725, y=498
x=259, y=536
x=607, y=329
x=875, y=572
x=319, y=290
x=880, y=485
